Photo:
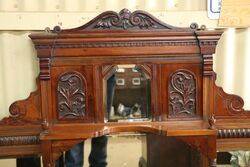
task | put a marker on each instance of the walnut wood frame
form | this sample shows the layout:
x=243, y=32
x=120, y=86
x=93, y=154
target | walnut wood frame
x=90, y=52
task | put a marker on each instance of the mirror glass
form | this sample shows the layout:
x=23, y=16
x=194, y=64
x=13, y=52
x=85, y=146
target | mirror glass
x=127, y=94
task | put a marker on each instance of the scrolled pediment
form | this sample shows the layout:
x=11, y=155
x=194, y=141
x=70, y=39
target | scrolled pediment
x=126, y=20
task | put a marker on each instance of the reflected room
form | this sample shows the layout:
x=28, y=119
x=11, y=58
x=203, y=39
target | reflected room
x=127, y=93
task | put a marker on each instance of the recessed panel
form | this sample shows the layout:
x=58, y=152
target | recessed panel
x=182, y=94
x=71, y=96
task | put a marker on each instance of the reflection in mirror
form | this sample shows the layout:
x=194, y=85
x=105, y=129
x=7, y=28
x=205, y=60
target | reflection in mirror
x=127, y=94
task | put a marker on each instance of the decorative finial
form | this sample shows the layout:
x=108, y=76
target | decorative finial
x=47, y=30
x=57, y=29
x=211, y=122
x=194, y=26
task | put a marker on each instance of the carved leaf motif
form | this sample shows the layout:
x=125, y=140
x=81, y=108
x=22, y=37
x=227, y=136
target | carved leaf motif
x=127, y=20
x=71, y=96
x=182, y=94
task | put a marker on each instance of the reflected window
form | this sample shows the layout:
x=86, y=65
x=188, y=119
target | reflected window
x=127, y=94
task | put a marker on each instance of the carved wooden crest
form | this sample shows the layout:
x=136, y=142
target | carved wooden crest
x=124, y=20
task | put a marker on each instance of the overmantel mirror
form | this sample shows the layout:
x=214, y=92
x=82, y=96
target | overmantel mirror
x=127, y=93
x=124, y=72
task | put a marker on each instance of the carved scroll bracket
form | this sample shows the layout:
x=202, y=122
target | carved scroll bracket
x=228, y=104
x=26, y=111
x=230, y=107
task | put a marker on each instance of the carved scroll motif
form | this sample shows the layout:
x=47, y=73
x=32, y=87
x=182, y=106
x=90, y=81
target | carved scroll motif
x=27, y=111
x=71, y=93
x=125, y=20
x=228, y=104
x=182, y=94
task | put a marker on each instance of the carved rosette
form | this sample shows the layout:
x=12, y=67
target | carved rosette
x=71, y=96
x=182, y=94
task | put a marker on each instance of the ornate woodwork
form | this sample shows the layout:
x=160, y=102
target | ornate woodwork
x=125, y=20
x=182, y=94
x=18, y=140
x=234, y=133
x=232, y=105
x=71, y=96
x=68, y=105
x=23, y=112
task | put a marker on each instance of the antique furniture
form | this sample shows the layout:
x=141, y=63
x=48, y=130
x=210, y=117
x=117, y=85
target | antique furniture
x=70, y=102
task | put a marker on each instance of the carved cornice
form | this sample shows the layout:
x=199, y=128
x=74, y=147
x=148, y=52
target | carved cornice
x=233, y=133
x=18, y=140
x=124, y=20
x=44, y=64
x=117, y=44
x=208, y=42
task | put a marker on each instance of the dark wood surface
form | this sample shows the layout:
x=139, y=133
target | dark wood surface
x=164, y=151
x=69, y=105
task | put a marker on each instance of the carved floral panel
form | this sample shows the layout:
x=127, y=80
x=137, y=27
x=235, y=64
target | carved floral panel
x=182, y=94
x=71, y=96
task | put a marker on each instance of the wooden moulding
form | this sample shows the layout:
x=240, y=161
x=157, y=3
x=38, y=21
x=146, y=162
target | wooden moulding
x=89, y=52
